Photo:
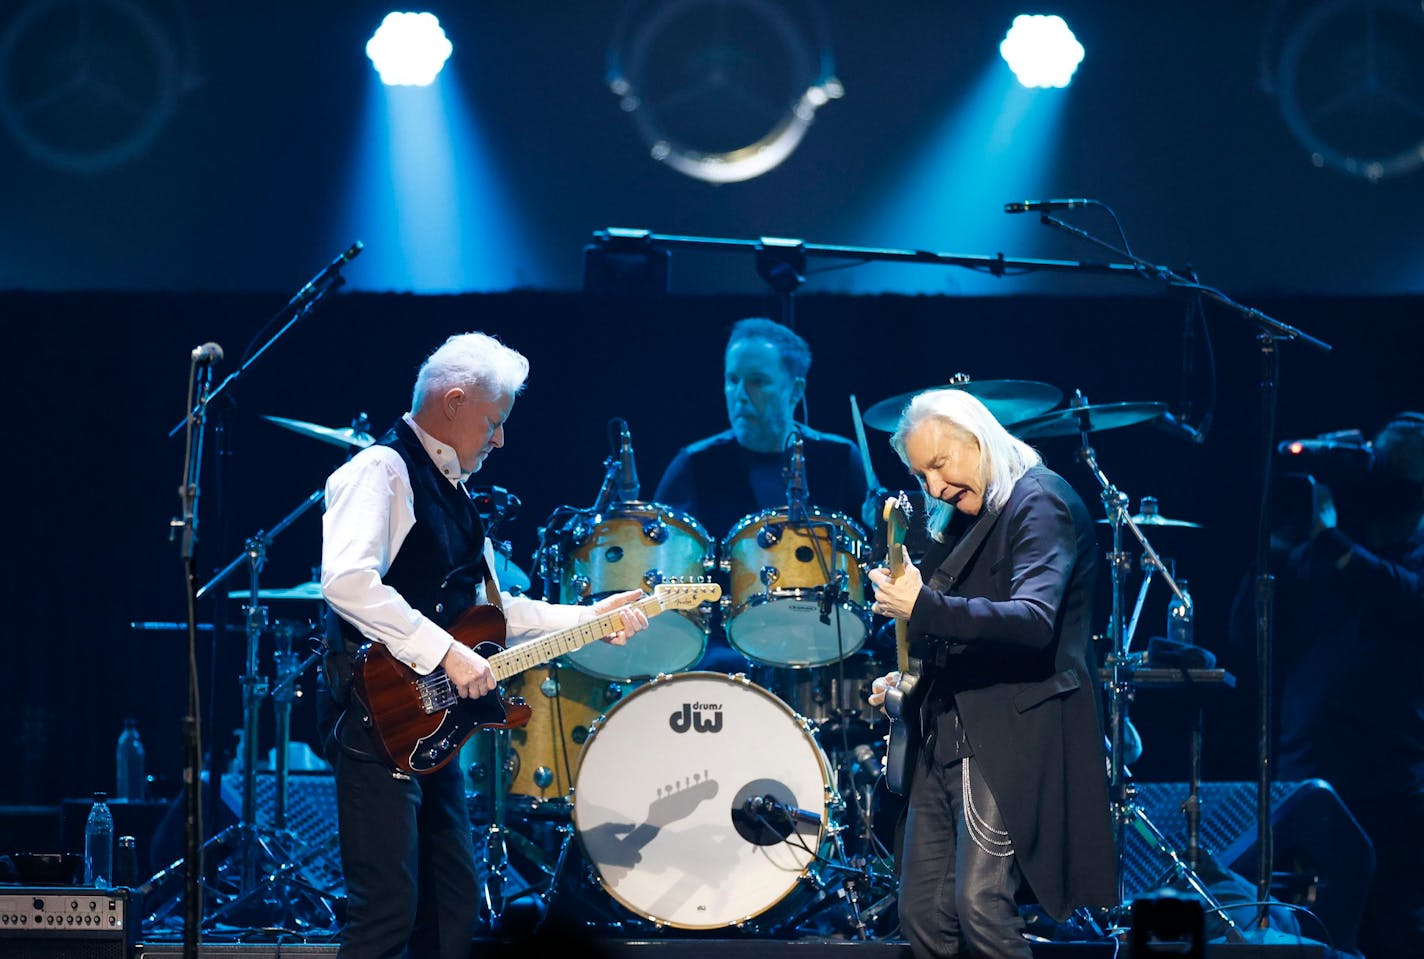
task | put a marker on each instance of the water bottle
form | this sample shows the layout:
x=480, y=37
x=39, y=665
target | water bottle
x=99, y=845
x=128, y=757
x=1179, y=617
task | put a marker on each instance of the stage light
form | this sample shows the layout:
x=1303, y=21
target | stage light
x=1041, y=51
x=409, y=49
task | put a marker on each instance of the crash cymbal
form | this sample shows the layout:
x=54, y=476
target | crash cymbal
x=345, y=436
x=309, y=592
x=1087, y=419
x=1009, y=400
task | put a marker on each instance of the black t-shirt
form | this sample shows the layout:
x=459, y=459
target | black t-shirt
x=719, y=482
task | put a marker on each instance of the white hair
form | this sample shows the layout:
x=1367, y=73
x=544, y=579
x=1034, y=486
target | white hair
x=470, y=361
x=1003, y=457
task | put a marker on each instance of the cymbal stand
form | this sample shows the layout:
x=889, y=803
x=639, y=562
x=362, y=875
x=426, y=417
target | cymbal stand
x=495, y=849
x=1125, y=808
x=263, y=857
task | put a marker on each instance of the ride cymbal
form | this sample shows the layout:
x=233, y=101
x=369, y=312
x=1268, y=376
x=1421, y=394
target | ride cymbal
x=1093, y=418
x=1009, y=400
x=346, y=436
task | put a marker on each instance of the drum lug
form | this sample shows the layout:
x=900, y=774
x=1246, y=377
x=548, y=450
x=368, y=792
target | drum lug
x=579, y=533
x=543, y=777
x=581, y=586
x=652, y=578
x=656, y=531
x=769, y=535
x=769, y=575
x=724, y=564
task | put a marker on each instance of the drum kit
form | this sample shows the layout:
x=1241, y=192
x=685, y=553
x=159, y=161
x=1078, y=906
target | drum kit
x=701, y=800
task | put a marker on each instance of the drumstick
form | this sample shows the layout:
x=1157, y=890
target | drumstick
x=870, y=480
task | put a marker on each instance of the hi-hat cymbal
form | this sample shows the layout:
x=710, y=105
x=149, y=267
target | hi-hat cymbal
x=1151, y=515
x=345, y=436
x=1009, y=400
x=1087, y=419
x=309, y=592
x=1157, y=519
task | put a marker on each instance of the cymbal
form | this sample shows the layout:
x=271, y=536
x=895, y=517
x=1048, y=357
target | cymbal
x=345, y=436
x=309, y=592
x=1087, y=419
x=1157, y=519
x=1009, y=400
x=1151, y=516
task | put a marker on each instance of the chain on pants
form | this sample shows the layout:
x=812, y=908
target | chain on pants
x=958, y=872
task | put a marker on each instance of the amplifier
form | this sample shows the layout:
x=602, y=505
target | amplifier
x=56, y=922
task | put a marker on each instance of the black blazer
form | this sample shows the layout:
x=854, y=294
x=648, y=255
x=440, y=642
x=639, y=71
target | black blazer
x=1011, y=641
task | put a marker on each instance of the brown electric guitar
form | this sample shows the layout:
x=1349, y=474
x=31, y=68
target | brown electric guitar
x=421, y=722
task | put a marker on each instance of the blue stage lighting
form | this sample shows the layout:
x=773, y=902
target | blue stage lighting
x=1041, y=51
x=409, y=49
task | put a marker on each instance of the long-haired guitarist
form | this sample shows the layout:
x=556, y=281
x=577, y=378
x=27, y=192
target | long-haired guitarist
x=1007, y=793
x=403, y=555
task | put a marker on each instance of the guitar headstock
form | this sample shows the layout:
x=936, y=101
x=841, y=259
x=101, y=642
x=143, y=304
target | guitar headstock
x=897, y=514
x=686, y=595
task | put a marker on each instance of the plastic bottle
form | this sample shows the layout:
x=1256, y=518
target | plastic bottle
x=99, y=844
x=1179, y=617
x=129, y=758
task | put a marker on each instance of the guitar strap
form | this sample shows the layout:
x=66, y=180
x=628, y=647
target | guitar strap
x=947, y=574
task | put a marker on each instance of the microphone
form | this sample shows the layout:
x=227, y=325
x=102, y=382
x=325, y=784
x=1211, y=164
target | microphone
x=767, y=806
x=207, y=354
x=1045, y=206
x=865, y=761
x=796, y=493
x=627, y=469
x=331, y=269
x=1168, y=423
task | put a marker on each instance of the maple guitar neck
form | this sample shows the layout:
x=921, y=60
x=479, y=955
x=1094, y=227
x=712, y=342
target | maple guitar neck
x=516, y=659
x=894, y=539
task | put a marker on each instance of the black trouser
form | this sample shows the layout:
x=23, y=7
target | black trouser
x=407, y=856
x=957, y=885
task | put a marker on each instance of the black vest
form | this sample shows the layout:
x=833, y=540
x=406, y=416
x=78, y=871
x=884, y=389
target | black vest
x=440, y=565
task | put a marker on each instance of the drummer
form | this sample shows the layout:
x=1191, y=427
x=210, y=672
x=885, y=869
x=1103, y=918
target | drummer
x=742, y=470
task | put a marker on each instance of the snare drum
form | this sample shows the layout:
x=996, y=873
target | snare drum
x=670, y=798
x=637, y=546
x=797, y=592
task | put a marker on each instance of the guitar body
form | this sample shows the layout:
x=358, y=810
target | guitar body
x=902, y=705
x=415, y=739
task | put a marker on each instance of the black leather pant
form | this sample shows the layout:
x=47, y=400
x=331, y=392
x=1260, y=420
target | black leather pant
x=957, y=883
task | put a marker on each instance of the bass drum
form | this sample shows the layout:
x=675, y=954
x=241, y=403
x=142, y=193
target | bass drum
x=637, y=546
x=671, y=801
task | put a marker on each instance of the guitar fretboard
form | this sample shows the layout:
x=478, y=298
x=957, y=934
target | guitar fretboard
x=516, y=659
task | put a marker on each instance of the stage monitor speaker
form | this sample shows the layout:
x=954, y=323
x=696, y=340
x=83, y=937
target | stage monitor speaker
x=59, y=922
x=1322, y=858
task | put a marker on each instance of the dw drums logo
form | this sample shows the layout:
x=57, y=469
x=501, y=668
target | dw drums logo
x=690, y=717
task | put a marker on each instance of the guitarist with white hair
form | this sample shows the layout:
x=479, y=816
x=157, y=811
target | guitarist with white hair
x=1006, y=793
x=404, y=554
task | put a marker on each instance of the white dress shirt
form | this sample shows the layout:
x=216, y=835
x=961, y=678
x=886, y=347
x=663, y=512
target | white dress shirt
x=370, y=509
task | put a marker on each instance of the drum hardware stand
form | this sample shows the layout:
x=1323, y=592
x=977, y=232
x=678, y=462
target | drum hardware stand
x=1122, y=795
x=265, y=858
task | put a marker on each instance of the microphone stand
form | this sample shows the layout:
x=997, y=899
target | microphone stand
x=201, y=393
x=1270, y=332
x=186, y=527
x=303, y=304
